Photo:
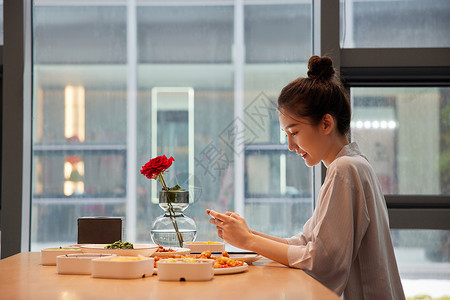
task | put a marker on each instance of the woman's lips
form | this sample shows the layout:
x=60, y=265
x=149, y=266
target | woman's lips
x=303, y=155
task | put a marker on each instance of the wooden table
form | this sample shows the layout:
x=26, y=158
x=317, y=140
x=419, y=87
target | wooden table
x=23, y=277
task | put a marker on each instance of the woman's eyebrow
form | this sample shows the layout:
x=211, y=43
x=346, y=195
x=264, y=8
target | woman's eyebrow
x=289, y=126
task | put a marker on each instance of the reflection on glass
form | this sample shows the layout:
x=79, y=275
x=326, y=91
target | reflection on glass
x=80, y=112
x=405, y=134
x=73, y=175
x=74, y=129
x=423, y=258
x=172, y=133
x=394, y=24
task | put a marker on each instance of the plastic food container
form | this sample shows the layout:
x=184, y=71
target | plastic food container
x=199, y=247
x=122, y=267
x=78, y=264
x=48, y=255
x=185, y=269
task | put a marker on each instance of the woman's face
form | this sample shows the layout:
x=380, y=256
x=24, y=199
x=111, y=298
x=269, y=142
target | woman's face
x=303, y=137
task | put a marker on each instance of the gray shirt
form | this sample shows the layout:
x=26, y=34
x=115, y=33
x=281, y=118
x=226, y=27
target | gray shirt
x=346, y=244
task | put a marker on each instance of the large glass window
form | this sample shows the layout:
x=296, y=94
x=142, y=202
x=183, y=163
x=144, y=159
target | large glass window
x=423, y=258
x=405, y=133
x=204, y=81
x=394, y=23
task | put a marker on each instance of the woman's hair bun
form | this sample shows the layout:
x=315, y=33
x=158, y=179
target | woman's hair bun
x=320, y=67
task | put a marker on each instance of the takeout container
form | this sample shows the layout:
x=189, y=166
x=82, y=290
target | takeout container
x=139, y=249
x=198, y=247
x=185, y=270
x=77, y=264
x=48, y=255
x=122, y=267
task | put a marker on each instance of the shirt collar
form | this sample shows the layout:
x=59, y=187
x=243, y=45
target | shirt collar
x=351, y=149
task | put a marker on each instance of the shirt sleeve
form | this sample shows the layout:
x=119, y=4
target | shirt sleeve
x=332, y=236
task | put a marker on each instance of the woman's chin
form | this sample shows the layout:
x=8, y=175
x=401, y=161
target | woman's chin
x=311, y=163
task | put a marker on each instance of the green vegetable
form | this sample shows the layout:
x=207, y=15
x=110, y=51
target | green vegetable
x=120, y=245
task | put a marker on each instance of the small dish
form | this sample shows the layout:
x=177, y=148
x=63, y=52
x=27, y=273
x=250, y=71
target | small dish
x=172, y=269
x=248, y=258
x=122, y=267
x=78, y=264
x=199, y=247
x=48, y=255
x=176, y=251
x=138, y=249
x=231, y=270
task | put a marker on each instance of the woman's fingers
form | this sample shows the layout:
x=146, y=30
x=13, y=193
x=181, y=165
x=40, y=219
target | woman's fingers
x=216, y=222
x=218, y=216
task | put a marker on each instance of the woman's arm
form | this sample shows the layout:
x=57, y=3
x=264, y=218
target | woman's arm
x=270, y=237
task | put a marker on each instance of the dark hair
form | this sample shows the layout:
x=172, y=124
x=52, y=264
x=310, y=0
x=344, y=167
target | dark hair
x=318, y=94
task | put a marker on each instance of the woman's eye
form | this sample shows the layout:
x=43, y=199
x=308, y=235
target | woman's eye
x=293, y=133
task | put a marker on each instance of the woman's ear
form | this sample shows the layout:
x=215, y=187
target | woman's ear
x=328, y=123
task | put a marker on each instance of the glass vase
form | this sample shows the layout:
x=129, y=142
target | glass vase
x=173, y=227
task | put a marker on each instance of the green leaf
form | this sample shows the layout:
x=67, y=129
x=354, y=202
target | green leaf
x=176, y=188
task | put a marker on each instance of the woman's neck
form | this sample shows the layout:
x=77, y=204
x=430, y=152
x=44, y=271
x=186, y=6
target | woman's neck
x=336, y=144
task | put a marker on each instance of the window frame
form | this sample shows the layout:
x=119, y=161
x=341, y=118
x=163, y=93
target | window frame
x=16, y=128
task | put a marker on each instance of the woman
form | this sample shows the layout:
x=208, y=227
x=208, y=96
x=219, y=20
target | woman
x=346, y=244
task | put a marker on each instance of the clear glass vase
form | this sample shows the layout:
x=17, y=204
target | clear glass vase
x=164, y=228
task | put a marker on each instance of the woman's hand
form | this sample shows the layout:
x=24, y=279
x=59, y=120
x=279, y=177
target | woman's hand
x=232, y=228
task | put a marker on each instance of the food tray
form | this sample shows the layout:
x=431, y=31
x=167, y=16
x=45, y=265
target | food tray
x=122, y=267
x=185, y=270
x=78, y=264
x=48, y=255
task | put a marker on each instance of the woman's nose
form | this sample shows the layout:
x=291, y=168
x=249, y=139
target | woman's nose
x=291, y=145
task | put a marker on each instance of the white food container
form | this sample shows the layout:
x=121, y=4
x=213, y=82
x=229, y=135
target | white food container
x=182, y=270
x=122, y=267
x=199, y=247
x=48, y=255
x=78, y=264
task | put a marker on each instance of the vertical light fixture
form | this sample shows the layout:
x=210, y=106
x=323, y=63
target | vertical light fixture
x=73, y=175
x=74, y=113
x=74, y=130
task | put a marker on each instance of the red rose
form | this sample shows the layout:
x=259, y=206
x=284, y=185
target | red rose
x=156, y=165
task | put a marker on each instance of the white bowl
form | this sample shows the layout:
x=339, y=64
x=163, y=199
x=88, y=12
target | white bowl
x=138, y=249
x=48, y=255
x=199, y=247
x=78, y=264
x=200, y=270
x=122, y=267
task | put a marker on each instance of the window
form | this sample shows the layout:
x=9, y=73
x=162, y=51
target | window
x=198, y=72
x=394, y=23
x=423, y=258
x=405, y=134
